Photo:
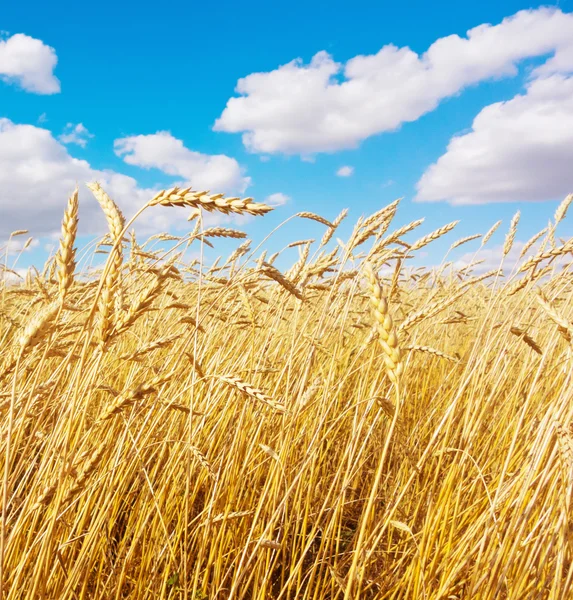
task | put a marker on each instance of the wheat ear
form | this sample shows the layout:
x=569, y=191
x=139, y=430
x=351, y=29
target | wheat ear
x=214, y=202
x=385, y=326
x=251, y=391
x=67, y=254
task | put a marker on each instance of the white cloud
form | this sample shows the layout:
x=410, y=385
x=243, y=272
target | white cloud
x=521, y=149
x=75, y=134
x=16, y=245
x=29, y=63
x=163, y=151
x=277, y=199
x=345, y=171
x=38, y=174
x=327, y=106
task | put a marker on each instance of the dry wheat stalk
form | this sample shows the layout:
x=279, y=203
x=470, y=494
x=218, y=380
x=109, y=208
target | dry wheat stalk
x=563, y=325
x=510, y=237
x=384, y=326
x=45, y=496
x=374, y=228
x=196, y=365
x=193, y=321
x=376, y=224
x=310, y=392
x=238, y=252
x=113, y=215
x=112, y=292
x=128, y=398
x=223, y=232
x=561, y=210
x=273, y=273
x=465, y=270
x=565, y=440
x=38, y=328
x=314, y=217
x=300, y=243
x=251, y=391
x=140, y=304
x=433, y=309
x=87, y=469
x=272, y=258
x=260, y=261
x=384, y=214
x=209, y=202
x=488, y=235
x=465, y=240
x=434, y=235
x=269, y=544
x=151, y=347
x=538, y=258
x=526, y=338
x=478, y=278
x=294, y=273
x=66, y=256
x=202, y=459
x=432, y=351
x=243, y=295
x=232, y=515
x=181, y=408
x=551, y=236
x=532, y=241
x=330, y=231
x=396, y=235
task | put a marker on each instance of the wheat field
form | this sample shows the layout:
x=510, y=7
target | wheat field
x=349, y=427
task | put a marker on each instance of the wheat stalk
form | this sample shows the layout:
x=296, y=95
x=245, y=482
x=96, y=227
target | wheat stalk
x=273, y=273
x=434, y=235
x=315, y=217
x=251, y=391
x=465, y=240
x=209, y=202
x=432, y=351
x=66, y=256
x=384, y=326
x=510, y=237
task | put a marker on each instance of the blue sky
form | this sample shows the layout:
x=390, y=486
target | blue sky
x=141, y=98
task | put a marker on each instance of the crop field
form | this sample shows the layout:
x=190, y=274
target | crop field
x=347, y=427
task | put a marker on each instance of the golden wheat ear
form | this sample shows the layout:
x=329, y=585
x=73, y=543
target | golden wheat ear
x=209, y=202
x=384, y=326
x=67, y=253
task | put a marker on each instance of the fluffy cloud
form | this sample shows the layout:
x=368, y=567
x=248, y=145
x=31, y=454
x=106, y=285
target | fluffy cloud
x=327, y=106
x=164, y=152
x=38, y=174
x=345, y=171
x=521, y=149
x=29, y=63
x=75, y=134
x=16, y=245
x=277, y=199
